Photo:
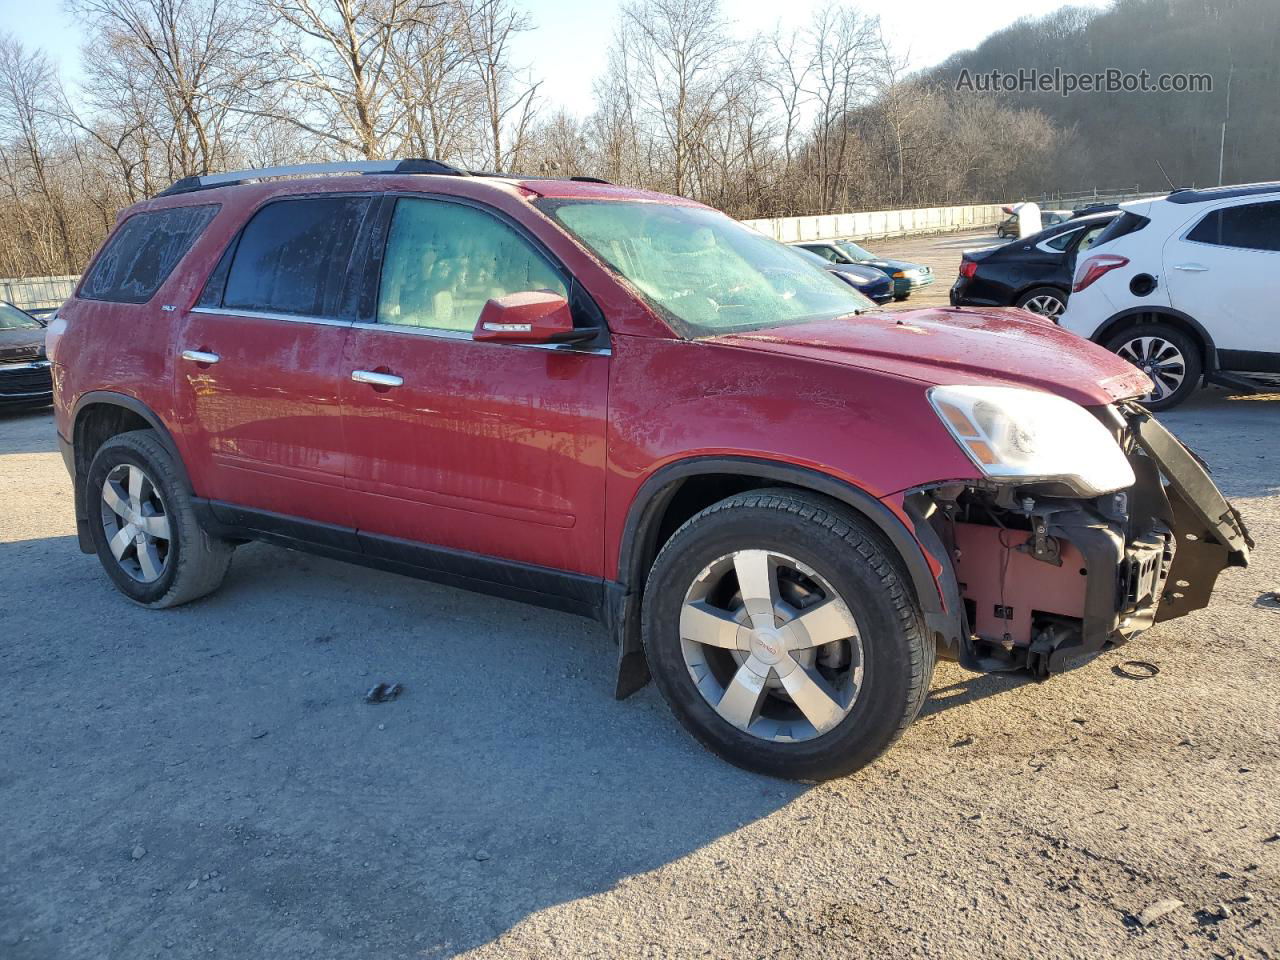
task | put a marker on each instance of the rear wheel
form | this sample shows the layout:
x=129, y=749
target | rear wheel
x=1046, y=301
x=1165, y=354
x=144, y=526
x=783, y=634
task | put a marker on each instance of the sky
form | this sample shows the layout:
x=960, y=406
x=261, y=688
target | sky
x=567, y=50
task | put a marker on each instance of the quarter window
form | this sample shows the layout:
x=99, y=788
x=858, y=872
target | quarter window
x=294, y=255
x=1254, y=226
x=1061, y=241
x=143, y=252
x=445, y=260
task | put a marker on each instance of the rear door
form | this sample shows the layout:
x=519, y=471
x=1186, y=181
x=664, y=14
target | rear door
x=496, y=449
x=261, y=354
x=1221, y=269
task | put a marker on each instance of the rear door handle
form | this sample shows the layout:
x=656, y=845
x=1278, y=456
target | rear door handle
x=1192, y=267
x=200, y=356
x=377, y=379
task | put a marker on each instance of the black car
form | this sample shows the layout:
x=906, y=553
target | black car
x=1033, y=273
x=873, y=284
x=25, y=377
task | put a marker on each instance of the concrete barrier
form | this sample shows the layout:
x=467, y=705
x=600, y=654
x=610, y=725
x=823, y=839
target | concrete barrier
x=876, y=224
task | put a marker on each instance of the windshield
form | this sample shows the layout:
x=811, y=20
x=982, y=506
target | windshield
x=11, y=318
x=705, y=273
x=854, y=252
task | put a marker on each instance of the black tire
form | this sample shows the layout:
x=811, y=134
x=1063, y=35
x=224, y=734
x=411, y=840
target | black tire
x=1040, y=295
x=897, y=654
x=900, y=297
x=194, y=563
x=1192, y=362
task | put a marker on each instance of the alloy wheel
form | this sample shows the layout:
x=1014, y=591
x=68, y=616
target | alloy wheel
x=1046, y=305
x=771, y=646
x=136, y=525
x=1160, y=360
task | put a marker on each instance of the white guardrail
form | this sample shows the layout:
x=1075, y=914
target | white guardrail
x=35, y=293
x=879, y=223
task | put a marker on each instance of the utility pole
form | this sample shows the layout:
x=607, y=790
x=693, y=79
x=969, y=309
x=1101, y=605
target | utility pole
x=1222, y=143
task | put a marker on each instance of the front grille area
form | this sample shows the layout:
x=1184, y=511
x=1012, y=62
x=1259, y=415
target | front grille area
x=16, y=382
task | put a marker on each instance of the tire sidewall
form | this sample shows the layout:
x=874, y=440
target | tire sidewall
x=877, y=714
x=125, y=449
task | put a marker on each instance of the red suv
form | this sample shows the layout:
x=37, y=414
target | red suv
x=628, y=406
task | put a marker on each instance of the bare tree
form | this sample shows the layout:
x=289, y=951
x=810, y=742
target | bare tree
x=509, y=94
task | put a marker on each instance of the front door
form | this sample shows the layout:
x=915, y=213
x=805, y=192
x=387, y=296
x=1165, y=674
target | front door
x=261, y=360
x=495, y=449
x=1222, y=271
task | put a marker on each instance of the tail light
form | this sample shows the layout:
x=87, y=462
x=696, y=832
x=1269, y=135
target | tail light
x=968, y=268
x=1095, y=267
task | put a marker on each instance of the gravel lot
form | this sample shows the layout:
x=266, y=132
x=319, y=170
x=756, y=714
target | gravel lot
x=207, y=781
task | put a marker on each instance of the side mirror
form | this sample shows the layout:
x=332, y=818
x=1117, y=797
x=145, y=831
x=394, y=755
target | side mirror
x=535, y=316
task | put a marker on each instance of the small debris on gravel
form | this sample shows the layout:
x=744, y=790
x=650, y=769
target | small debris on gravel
x=1157, y=910
x=1270, y=599
x=1223, y=911
x=383, y=692
x=1273, y=838
x=963, y=741
x=482, y=855
x=260, y=734
x=193, y=884
x=1135, y=670
x=138, y=852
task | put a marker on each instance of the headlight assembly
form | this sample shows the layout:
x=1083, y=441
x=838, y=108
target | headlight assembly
x=1031, y=436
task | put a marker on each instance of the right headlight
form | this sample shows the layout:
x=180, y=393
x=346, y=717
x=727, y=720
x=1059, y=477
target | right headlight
x=1031, y=436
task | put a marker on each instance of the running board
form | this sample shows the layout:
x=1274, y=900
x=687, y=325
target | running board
x=1233, y=381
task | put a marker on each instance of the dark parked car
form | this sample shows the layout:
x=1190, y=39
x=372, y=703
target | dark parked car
x=1008, y=228
x=868, y=281
x=24, y=368
x=906, y=276
x=1033, y=273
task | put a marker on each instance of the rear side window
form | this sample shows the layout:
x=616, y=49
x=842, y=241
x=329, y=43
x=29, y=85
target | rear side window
x=1254, y=226
x=143, y=252
x=1061, y=241
x=294, y=255
x=1121, y=226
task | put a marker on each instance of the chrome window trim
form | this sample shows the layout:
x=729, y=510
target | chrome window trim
x=264, y=315
x=437, y=333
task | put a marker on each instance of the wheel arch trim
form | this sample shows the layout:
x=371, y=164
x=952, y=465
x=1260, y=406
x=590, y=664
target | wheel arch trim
x=133, y=405
x=1156, y=311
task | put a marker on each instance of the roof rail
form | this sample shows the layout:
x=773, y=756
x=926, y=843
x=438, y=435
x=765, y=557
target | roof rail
x=411, y=165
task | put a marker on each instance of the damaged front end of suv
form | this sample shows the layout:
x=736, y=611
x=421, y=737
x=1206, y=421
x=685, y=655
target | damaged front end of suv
x=1090, y=526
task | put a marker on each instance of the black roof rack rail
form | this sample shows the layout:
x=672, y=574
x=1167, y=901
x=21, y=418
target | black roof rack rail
x=410, y=165
x=1197, y=195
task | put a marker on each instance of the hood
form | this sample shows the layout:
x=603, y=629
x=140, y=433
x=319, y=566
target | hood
x=21, y=344
x=1005, y=347
x=860, y=272
x=882, y=263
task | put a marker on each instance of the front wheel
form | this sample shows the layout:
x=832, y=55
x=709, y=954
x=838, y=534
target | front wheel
x=784, y=636
x=1165, y=354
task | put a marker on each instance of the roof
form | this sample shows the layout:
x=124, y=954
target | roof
x=1223, y=193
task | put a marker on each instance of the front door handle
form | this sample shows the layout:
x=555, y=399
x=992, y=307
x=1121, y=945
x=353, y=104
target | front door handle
x=1192, y=267
x=200, y=356
x=377, y=379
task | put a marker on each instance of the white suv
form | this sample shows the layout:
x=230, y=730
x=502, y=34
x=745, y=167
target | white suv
x=1187, y=287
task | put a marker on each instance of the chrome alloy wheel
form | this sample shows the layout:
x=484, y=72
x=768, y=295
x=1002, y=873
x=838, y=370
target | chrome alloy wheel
x=1158, y=359
x=1046, y=305
x=771, y=646
x=135, y=522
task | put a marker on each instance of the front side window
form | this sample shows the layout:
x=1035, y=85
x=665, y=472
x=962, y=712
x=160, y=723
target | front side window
x=143, y=252
x=294, y=256
x=705, y=273
x=444, y=261
x=1254, y=226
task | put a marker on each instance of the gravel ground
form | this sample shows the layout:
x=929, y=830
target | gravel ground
x=207, y=780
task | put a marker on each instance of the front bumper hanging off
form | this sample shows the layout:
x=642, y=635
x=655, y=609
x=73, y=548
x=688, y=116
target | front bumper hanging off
x=1050, y=582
